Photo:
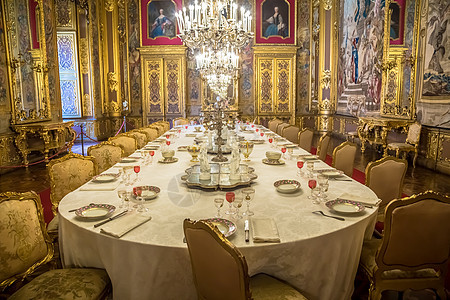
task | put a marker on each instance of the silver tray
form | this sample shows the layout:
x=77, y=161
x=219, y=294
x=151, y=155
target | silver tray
x=220, y=177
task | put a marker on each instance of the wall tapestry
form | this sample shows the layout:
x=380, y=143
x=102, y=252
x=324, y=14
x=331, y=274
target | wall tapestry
x=360, y=55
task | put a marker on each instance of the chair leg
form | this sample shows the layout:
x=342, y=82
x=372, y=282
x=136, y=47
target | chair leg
x=442, y=295
x=374, y=293
x=397, y=153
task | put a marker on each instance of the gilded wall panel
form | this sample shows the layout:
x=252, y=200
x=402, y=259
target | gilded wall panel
x=172, y=86
x=194, y=84
x=283, y=85
x=134, y=60
x=153, y=83
x=265, y=85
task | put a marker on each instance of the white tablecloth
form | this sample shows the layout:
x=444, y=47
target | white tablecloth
x=317, y=255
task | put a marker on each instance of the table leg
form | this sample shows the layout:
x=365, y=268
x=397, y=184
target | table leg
x=21, y=143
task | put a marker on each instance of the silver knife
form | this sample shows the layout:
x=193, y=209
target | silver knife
x=111, y=218
x=247, y=232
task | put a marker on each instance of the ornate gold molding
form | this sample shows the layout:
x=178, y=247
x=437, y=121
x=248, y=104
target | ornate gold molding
x=325, y=81
x=84, y=56
x=109, y=5
x=113, y=82
x=327, y=4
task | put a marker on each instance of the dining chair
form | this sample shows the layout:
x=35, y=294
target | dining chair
x=280, y=128
x=165, y=124
x=127, y=141
x=273, y=124
x=410, y=145
x=106, y=154
x=414, y=250
x=385, y=178
x=305, y=138
x=27, y=246
x=140, y=137
x=180, y=121
x=151, y=133
x=158, y=127
x=322, y=147
x=344, y=157
x=291, y=133
x=221, y=272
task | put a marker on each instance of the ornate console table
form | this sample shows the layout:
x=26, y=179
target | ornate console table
x=375, y=130
x=43, y=137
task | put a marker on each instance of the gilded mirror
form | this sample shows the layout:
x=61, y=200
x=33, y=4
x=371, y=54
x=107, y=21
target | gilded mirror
x=27, y=63
x=232, y=100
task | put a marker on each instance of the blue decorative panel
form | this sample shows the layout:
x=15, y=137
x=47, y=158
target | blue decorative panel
x=66, y=52
x=69, y=98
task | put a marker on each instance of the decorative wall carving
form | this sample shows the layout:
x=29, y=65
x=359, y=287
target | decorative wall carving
x=84, y=55
x=113, y=82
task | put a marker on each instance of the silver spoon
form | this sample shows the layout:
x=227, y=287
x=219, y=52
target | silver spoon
x=319, y=212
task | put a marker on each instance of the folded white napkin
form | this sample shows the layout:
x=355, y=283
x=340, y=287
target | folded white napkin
x=119, y=227
x=97, y=186
x=360, y=199
x=265, y=230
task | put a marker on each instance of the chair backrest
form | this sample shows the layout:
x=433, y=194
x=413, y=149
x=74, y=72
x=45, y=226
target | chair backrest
x=416, y=233
x=322, y=147
x=385, y=177
x=127, y=141
x=291, y=133
x=220, y=270
x=165, y=124
x=105, y=154
x=414, y=134
x=180, y=121
x=25, y=244
x=280, y=128
x=67, y=174
x=158, y=127
x=305, y=138
x=151, y=133
x=344, y=157
x=141, y=138
x=273, y=124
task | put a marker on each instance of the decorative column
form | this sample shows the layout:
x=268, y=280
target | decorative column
x=328, y=49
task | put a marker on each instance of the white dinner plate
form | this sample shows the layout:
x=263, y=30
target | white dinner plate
x=107, y=177
x=345, y=206
x=128, y=160
x=95, y=211
x=287, y=186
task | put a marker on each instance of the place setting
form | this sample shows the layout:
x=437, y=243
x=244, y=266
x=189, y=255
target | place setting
x=168, y=157
x=102, y=182
x=273, y=158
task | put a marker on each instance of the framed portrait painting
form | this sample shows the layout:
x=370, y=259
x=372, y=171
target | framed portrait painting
x=275, y=22
x=158, y=22
x=397, y=23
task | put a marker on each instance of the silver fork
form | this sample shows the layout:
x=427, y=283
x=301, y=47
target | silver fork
x=319, y=212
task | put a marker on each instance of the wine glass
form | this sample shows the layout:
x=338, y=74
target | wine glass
x=218, y=202
x=310, y=168
x=271, y=141
x=262, y=134
x=246, y=149
x=121, y=193
x=136, y=169
x=167, y=136
x=127, y=175
x=283, y=150
x=152, y=153
x=323, y=186
x=237, y=203
x=230, y=196
x=139, y=200
x=127, y=197
x=312, y=183
x=249, y=194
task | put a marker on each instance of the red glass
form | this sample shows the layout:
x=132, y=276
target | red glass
x=229, y=196
x=256, y=129
x=152, y=152
x=253, y=125
x=300, y=164
x=270, y=140
x=248, y=123
x=312, y=183
x=137, y=169
x=167, y=136
x=262, y=133
x=186, y=127
x=283, y=149
x=168, y=143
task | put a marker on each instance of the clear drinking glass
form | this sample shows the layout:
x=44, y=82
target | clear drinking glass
x=237, y=203
x=323, y=187
x=127, y=197
x=127, y=171
x=218, y=202
x=140, y=202
x=310, y=168
x=121, y=193
x=248, y=195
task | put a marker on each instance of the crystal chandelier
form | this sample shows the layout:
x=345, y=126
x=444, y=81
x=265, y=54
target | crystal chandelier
x=215, y=25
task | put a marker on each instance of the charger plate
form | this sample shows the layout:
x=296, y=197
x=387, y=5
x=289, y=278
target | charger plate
x=148, y=192
x=273, y=162
x=287, y=186
x=225, y=226
x=345, y=206
x=95, y=211
x=106, y=177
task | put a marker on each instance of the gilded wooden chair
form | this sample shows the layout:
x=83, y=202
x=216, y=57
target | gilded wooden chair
x=151, y=133
x=385, y=177
x=140, y=137
x=25, y=245
x=344, y=157
x=165, y=124
x=322, y=147
x=291, y=133
x=280, y=128
x=127, y=141
x=305, y=138
x=411, y=144
x=273, y=124
x=221, y=272
x=414, y=250
x=158, y=127
x=105, y=154
x=180, y=121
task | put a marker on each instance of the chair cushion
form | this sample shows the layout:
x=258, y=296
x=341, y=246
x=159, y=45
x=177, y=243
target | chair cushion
x=66, y=284
x=368, y=254
x=401, y=146
x=266, y=287
x=52, y=227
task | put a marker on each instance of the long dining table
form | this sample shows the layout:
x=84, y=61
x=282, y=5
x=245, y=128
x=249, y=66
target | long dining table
x=317, y=255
